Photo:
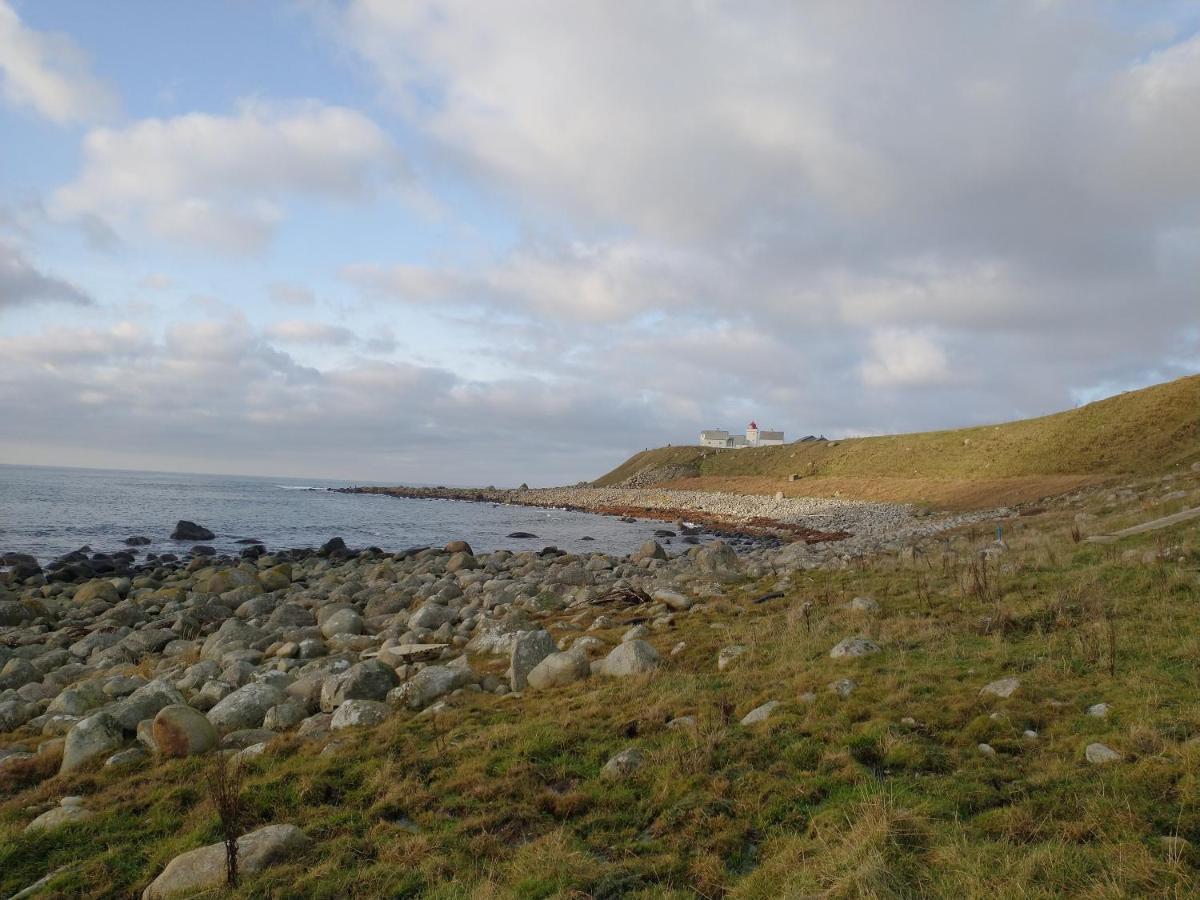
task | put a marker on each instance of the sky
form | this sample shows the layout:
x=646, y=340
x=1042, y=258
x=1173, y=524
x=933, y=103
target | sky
x=492, y=243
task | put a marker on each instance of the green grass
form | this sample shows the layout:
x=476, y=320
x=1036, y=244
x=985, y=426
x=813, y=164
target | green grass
x=1141, y=432
x=830, y=797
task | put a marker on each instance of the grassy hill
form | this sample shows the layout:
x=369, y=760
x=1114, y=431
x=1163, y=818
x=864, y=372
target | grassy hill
x=1137, y=433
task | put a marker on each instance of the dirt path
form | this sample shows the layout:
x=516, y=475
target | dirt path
x=1152, y=525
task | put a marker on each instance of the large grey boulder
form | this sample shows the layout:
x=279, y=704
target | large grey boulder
x=18, y=673
x=648, y=550
x=1099, y=754
x=760, y=713
x=144, y=703
x=718, y=559
x=190, y=531
x=13, y=612
x=355, y=713
x=529, y=648
x=203, y=869
x=673, y=599
x=15, y=713
x=69, y=811
x=233, y=632
x=246, y=707
x=431, y=616
x=370, y=680
x=428, y=685
x=97, y=735
x=559, y=669
x=634, y=657
x=852, y=647
x=179, y=730
x=344, y=621
x=1003, y=688
x=623, y=764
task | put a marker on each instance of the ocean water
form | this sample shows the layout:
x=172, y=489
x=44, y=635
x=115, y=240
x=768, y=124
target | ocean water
x=51, y=511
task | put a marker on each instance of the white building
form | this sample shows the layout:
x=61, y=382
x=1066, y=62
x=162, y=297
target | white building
x=755, y=437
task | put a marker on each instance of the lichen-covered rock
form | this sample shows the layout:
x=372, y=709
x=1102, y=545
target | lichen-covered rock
x=370, y=680
x=89, y=739
x=623, y=764
x=100, y=589
x=355, y=713
x=69, y=811
x=852, y=647
x=634, y=657
x=246, y=707
x=203, y=869
x=559, y=669
x=529, y=648
x=428, y=685
x=1003, y=687
x=179, y=730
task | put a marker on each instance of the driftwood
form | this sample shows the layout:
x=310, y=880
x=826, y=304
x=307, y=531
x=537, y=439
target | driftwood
x=630, y=596
x=774, y=595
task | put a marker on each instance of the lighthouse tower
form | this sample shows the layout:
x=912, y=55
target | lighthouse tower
x=752, y=433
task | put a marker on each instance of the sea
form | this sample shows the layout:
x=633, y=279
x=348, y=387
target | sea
x=47, y=512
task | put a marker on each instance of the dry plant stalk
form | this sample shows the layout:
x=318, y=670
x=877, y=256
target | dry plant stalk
x=223, y=779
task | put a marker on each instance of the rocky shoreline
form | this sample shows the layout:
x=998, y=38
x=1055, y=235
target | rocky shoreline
x=863, y=525
x=108, y=660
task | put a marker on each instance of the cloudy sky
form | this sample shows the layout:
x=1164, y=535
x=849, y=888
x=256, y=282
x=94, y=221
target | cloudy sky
x=473, y=242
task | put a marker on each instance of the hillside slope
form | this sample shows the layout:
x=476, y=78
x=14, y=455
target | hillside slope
x=1139, y=432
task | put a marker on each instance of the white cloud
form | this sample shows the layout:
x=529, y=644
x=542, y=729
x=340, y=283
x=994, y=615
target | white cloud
x=305, y=331
x=23, y=283
x=905, y=359
x=222, y=181
x=49, y=74
x=584, y=282
x=291, y=294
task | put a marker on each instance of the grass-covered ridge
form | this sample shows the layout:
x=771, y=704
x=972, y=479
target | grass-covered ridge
x=1153, y=430
x=884, y=793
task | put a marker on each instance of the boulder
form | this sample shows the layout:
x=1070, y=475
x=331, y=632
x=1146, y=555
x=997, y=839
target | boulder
x=852, y=647
x=246, y=707
x=190, y=531
x=461, y=562
x=649, y=550
x=13, y=612
x=89, y=739
x=69, y=811
x=276, y=578
x=355, y=713
x=1099, y=754
x=99, y=589
x=559, y=669
x=623, y=764
x=144, y=703
x=458, y=547
x=203, y=869
x=760, y=713
x=370, y=680
x=630, y=658
x=727, y=655
x=1003, y=688
x=432, y=615
x=179, y=730
x=717, y=558
x=673, y=599
x=344, y=621
x=428, y=685
x=529, y=648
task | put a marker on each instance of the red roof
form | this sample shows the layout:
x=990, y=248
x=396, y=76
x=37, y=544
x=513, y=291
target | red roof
x=754, y=425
